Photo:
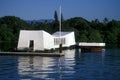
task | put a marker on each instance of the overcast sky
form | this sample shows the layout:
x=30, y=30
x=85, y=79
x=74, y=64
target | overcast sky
x=44, y=9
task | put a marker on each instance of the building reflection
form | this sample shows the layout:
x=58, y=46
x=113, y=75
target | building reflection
x=37, y=67
x=70, y=53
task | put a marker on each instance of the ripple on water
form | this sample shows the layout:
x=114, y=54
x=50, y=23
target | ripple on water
x=73, y=66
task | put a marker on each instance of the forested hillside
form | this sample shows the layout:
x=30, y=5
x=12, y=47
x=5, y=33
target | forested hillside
x=85, y=31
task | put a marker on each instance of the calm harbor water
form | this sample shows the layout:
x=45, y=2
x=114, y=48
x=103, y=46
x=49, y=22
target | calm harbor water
x=73, y=66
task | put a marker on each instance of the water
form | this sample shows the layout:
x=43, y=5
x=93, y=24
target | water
x=73, y=66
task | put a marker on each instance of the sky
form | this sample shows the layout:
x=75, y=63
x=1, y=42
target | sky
x=44, y=9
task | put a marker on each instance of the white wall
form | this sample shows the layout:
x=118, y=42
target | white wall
x=26, y=36
x=42, y=40
x=48, y=41
x=69, y=40
x=38, y=40
x=23, y=40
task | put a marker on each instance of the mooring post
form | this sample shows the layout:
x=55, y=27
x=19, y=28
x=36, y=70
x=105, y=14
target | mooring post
x=60, y=48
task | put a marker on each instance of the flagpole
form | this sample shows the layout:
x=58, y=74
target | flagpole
x=60, y=25
x=60, y=45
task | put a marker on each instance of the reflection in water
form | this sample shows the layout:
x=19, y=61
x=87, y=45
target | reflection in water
x=47, y=67
x=36, y=67
x=103, y=57
x=70, y=66
x=75, y=65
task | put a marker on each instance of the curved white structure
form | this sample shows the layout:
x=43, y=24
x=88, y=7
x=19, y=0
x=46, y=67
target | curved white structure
x=42, y=40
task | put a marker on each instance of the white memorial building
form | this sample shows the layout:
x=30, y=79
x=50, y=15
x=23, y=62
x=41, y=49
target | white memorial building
x=41, y=40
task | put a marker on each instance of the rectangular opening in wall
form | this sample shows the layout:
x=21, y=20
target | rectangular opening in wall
x=31, y=45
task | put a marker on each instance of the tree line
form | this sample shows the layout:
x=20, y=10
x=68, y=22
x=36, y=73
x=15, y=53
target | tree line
x=85, y=31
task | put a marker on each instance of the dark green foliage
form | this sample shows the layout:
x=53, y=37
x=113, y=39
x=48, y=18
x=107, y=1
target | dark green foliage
x=56, y=17
x=78, y=23
x=10, y=27
x=113, y=32
x=5, y=33
x=85, y=31
x=44, y=26
x=94, y=36
x=56, y=22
